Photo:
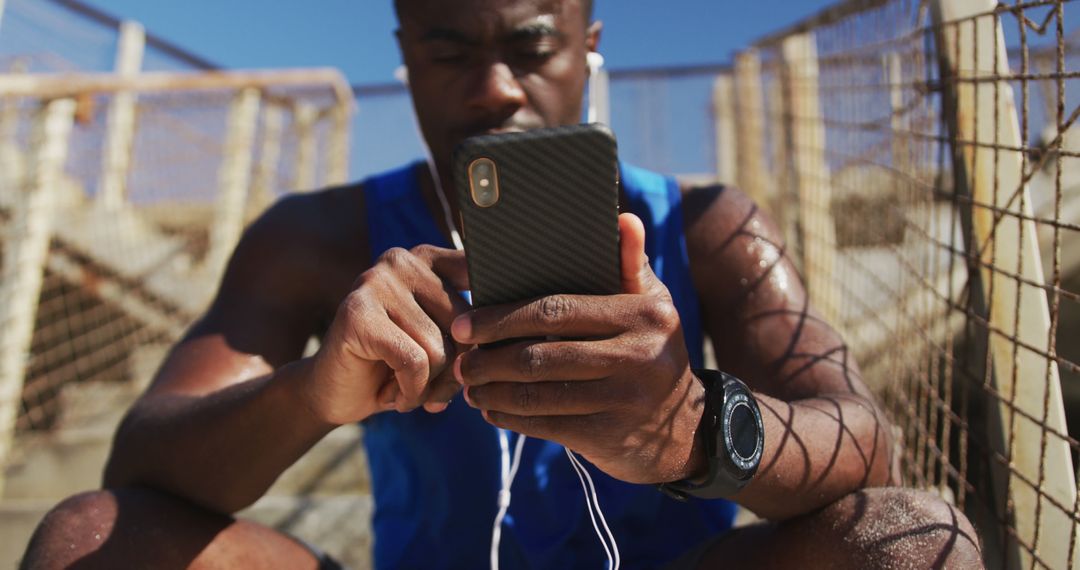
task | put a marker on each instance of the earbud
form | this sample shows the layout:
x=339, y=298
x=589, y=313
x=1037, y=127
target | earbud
x=594, y=60
x=402, y=74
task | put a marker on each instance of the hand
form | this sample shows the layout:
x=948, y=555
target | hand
x=616, y=387
x=389, y=345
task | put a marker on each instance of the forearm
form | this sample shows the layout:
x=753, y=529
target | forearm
x=221, y=450
x=817, y=450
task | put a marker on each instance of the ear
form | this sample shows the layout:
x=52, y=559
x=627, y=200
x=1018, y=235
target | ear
x=401, y=73
x=592, y=36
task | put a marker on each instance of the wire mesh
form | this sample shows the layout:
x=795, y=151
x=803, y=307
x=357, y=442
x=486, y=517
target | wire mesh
x=903, y=209
x=871, y=147
x=663, y=119
x=50, y=38
x=119, y=279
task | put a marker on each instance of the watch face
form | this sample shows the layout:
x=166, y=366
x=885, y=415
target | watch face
x=744, y=432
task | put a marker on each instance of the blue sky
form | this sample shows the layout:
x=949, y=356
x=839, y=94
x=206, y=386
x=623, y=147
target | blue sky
x=666, y=125
x=355, y=35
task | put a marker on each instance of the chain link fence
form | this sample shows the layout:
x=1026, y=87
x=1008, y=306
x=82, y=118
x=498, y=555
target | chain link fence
x=921, y=160
x=919, y=156
x=122, y=194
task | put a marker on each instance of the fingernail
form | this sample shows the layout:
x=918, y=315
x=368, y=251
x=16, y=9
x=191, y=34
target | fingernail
x=437, y=407
x=457, y=370
x=461, y=328
x=468, y=399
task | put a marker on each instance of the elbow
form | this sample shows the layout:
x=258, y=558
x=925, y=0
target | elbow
x=121, y=466
x=134, y=461
x=226, y=499
x=866, y=453
x=883, y=463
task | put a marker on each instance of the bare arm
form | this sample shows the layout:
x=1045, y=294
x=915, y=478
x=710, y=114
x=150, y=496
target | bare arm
x=615, y=384
x=234, y=405
x=824, y=435
x=220, y=420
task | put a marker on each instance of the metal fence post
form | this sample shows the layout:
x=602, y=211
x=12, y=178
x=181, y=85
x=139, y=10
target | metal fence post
x=901, y=138
x=971, y=45
x=26, y=247
x=338, y=153
x=750, y=129
x=305, y=115
x=811, y=172
x=266, y=171
x=12, y=163
x=120, y=130
x=724, y=124
x=779, y=188
x=233, y=179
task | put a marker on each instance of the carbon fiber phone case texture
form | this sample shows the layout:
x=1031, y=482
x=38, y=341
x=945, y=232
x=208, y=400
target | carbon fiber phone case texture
x=555, y=226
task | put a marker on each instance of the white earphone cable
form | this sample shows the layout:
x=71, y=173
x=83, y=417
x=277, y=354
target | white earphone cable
x=447, y=215
x=509, y=465
x=509, y=471
x=593, y=504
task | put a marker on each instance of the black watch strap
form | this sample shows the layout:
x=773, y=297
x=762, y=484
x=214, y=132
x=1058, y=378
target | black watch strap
x=732, y=435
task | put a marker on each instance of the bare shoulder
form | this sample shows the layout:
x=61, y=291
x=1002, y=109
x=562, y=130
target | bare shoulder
x=284, y=278
x=294, y=263
x=731, y=242
x=303, y=235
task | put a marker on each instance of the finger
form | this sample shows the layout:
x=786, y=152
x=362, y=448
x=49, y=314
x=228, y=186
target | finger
x=421, y=271
x=416, y=323
x=564, y=398
x=388, y=396
x=566, y=430
x=399, y=351
x=448, y=264
x=576, y=316
x=541, y=361
x=637, y=275
x=441, y=391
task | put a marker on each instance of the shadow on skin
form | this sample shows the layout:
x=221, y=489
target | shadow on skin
x=791, y=374
x=791, y=354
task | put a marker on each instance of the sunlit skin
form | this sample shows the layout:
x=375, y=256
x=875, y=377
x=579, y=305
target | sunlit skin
x=235, y=403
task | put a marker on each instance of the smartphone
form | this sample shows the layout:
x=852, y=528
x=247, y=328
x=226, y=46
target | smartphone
x=540, y=213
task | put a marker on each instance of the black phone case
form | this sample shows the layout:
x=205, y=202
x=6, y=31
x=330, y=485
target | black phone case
x=555, y=227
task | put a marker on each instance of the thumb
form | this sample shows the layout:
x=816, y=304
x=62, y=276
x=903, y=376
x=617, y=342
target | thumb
x=637, y=276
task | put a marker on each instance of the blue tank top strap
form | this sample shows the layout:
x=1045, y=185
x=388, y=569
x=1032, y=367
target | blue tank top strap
x=397, y=215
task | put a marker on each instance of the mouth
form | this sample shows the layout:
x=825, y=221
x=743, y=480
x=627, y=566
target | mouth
x=503, y=130
x=512, y=126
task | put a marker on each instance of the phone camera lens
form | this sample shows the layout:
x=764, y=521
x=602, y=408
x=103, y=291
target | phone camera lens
x=484, y=182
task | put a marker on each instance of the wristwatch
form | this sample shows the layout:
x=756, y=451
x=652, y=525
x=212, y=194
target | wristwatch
x=733, y=438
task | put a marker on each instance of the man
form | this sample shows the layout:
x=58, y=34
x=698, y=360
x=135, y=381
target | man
x=235, y=404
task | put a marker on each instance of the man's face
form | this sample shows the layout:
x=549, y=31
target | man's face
x=481, y=66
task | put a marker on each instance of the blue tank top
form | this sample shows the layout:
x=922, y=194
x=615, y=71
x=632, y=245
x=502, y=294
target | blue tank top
x=435, y=477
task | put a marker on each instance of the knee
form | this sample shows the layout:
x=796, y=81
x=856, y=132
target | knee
x=73, y=529
x=909, y=527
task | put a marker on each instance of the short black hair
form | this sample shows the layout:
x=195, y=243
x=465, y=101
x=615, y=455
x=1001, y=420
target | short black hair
x=586, y=4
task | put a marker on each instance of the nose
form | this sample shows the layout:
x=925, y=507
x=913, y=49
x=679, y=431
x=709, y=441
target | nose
x=496, y=91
